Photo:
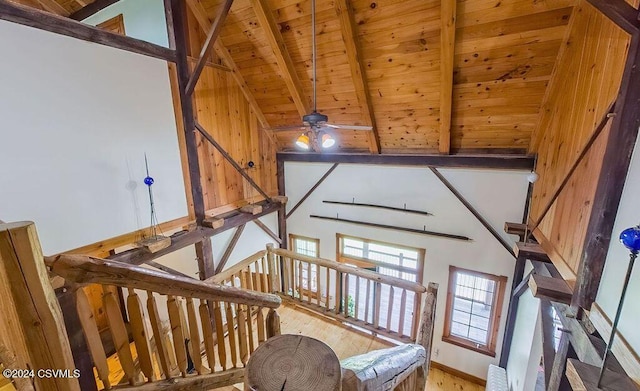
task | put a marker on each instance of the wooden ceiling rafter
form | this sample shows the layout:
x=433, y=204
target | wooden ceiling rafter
x=47, y=21
x=54, y=7
x=285, y=64
x=447, y=52
x=91, y=9
x=205, y=24
x=356, y=65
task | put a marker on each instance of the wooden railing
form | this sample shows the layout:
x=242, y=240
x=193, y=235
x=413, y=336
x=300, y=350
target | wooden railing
x=382, y=304
x=224, y=313
x=251, y=273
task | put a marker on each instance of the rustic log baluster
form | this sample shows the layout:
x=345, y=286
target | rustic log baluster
x=222, y=351
x=119, y=335
x=233, y=348
x=273, y=323
x=178, y=334
x=207, y=333
x=140, y=334
x=194, y=334
x=261, y=327
x=154, y=318
x=92, y=336
x=390, y=308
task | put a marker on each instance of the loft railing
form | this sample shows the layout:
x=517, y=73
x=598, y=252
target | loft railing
x=162, y=348
x=382, y=304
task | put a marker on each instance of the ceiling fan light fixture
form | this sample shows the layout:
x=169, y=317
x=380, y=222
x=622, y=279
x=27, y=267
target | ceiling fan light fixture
x=303, y=142
x=327, y=140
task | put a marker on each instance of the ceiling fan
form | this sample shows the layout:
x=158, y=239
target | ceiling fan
x=317, y=128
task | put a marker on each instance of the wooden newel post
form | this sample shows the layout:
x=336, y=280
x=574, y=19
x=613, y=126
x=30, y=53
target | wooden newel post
x=273, y=323
x=425, y=332
x=35, y=330
x=271, y=260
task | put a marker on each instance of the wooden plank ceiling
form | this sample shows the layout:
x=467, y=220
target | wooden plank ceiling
x=384, y=67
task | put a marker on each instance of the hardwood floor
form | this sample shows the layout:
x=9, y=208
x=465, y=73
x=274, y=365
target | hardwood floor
x=346, y=343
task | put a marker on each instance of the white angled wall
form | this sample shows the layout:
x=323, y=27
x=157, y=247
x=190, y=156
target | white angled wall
x=498, y=195
x=76, y=120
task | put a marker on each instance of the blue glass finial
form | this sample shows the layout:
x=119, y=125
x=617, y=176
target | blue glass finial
x=148, y=181
x=630, y=237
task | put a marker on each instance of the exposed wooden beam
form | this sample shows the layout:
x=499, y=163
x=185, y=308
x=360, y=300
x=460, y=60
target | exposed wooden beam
x=54, y=6
x=228, y=157
x=267, y=230
x=282, y=212
x=356, y=65
x=515, y=228
x=549, y=288
x=447, y=46
x=615, y=165
x=207, y=48
x=531, y=251
x=204, y=255
x=91, y=9
x=392, y=227
x=620, y=12
x=516, y=286
x=183, y=239
x=312, y=189
x=508, y=162
x=473, y=211
x=285, y=64
x=229, y=249
x=43, y=20
x=522, y=287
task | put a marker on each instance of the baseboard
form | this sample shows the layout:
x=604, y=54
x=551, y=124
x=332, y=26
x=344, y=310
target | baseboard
x=457, y=373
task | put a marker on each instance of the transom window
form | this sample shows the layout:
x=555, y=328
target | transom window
x=311, y=248
x=474, y=303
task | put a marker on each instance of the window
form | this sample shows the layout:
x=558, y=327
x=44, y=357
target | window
x=311, y=248
x=474, y=302
x=385, y=258
x=391, y=260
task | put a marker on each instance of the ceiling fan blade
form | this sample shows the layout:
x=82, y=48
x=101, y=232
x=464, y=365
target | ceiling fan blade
x=352, y=127
x=289, y=127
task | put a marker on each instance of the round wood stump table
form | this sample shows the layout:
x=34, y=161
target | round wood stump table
x=293, y=363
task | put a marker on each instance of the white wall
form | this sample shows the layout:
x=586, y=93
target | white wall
x=526, y=345
x=143, y=19
x=616, y=267
x=498, y=195
x=76, y=121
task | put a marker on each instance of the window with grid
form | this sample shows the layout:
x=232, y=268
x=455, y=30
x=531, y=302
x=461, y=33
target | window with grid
x=386, y=258
x=309, y=247
x=474, y=303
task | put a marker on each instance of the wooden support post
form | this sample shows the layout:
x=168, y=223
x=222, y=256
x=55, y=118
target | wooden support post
x=615, y=164
x=282, y=215
x=425, y=332
x=31, y=305
x=518, y=274
x=91, y=9
x=204, y=252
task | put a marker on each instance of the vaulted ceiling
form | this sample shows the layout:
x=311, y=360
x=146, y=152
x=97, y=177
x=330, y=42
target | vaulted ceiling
x=388, y=63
